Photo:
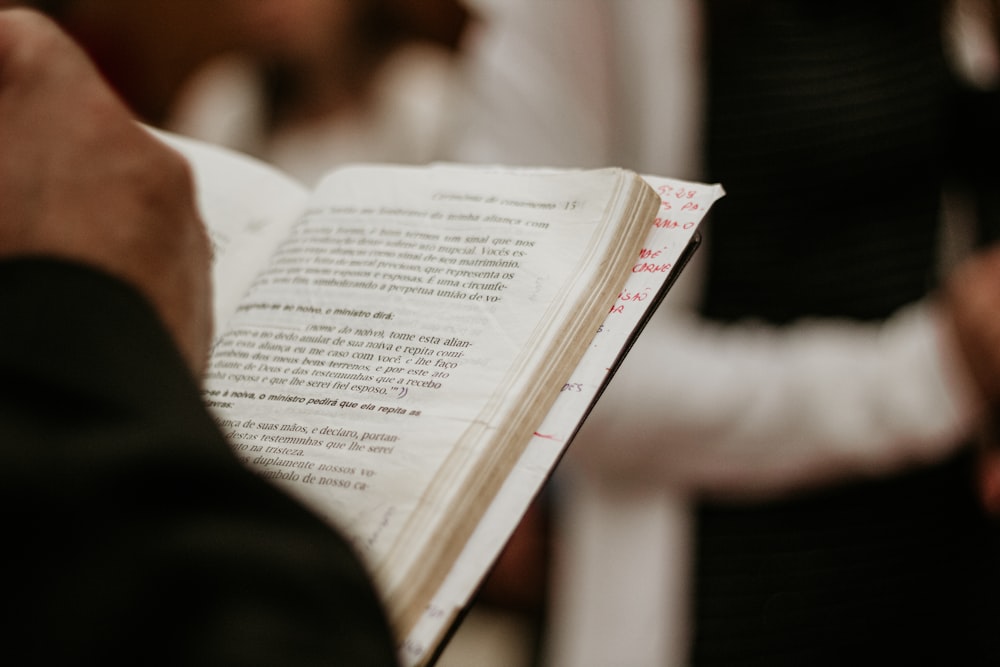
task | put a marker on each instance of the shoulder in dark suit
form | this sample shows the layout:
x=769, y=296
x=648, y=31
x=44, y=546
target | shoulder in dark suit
x=132, y=535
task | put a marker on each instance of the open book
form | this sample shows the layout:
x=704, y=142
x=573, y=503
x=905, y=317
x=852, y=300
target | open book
x=409, y=350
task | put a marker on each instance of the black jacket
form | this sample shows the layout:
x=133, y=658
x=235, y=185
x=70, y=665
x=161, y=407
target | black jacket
x=131, y=535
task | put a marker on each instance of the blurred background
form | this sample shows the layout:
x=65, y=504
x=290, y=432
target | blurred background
x=309, y=84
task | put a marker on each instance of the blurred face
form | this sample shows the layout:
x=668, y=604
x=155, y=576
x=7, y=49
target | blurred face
x=147, y=48
x=297, y=29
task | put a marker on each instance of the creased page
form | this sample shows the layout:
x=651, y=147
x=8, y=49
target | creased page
x=385, y=326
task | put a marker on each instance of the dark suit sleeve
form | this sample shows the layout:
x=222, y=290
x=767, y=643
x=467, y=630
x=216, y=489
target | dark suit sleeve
x=132, y=535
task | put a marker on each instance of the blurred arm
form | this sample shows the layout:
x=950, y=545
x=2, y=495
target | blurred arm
x=755, y=410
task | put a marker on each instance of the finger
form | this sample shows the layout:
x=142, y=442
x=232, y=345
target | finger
x=28, y=42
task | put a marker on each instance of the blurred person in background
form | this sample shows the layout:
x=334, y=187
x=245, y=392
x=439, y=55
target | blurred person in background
x=302, y=84
x=325, y=82
x=782, y=472
x=146, y=50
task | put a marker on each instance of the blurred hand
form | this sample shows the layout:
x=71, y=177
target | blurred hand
x=972, y=300
x=81, y=181
x=989, y=479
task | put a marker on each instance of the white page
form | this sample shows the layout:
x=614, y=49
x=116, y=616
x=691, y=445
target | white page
x=394, y=382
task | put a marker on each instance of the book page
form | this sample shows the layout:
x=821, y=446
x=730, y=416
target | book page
x=310, y=438
x=682, y=209
x=247, y=208
x=373, y=362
